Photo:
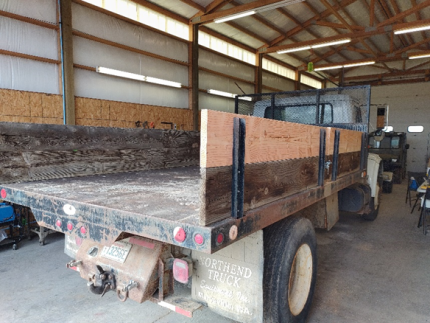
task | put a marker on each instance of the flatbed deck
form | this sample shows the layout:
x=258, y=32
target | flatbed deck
x=166, y=194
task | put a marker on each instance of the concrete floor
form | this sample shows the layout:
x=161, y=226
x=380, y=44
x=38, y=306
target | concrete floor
x=367, y=272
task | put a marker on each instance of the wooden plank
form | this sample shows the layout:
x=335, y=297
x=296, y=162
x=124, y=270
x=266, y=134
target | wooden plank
x=266, y=140
x=29, y=20
x=264, y=183
x=43, y=165
x=32, y=57
x=37, y=137
x=31, y=152
x=348, y=163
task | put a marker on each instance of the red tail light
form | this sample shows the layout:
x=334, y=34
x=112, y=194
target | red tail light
x=179, y=234
x=198, y=238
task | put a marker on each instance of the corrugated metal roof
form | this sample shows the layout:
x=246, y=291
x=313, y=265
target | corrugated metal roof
x=300, y=24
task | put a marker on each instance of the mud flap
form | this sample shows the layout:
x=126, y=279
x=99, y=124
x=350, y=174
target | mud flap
x=131, y=263
x=230, y=281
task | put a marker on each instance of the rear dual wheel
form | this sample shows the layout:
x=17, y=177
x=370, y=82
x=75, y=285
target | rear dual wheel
x=290, y=270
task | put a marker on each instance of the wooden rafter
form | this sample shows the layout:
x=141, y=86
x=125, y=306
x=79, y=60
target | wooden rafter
x=344, y=22
x=337, y=26
x=405, y=13
x=191, y=3
x=265, y=22
x=371, y=13
x=309, y=22
x=392, y=19
x=384, y=75
x=213, y=6
x=424, y=41
x=216, y=5
x=297, y=22
x=405, y=39
x=419, y=65
x=206, y=18
x=418, y=16
x=352, y=35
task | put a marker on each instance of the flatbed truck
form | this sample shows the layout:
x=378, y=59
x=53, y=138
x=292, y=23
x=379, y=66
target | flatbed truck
x=223, y=217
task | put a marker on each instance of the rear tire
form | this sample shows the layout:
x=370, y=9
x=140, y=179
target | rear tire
x=290, y=270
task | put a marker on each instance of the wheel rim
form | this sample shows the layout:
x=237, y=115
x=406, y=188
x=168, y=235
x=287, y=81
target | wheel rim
x=300, y=280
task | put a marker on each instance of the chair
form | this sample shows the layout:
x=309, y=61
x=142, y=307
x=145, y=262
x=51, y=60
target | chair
x=412, y=187
x=419, y=179
x=425, y=210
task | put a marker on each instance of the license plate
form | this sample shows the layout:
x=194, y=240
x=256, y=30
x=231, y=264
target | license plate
x=117, y=252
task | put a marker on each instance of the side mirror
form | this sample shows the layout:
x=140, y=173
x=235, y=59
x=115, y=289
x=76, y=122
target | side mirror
x=407, y=146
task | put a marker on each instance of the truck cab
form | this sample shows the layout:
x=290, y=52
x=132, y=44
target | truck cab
x=330, y=110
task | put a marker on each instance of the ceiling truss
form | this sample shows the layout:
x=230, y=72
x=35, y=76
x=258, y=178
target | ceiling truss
x=339, y=19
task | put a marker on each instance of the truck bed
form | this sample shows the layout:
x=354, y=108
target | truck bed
x=223, y=183
x=162, y=194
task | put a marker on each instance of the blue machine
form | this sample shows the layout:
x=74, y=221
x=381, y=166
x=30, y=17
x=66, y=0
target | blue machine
x=7, y=213
x=9, y=219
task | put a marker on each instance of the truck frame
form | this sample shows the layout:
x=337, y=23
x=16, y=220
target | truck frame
x=186, y=218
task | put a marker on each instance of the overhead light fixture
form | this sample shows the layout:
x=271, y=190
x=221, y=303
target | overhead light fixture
x=236, y=16
x=332, y=43
x=257, y=10
x=359, y=64
x=163, y=82
x=327, y=67
x=411, y=30
x=137, y=77
x=415, y=56
x=110, y=71
x=228, y=95
x=222, y=93
x=353, y=64
x=297, y=49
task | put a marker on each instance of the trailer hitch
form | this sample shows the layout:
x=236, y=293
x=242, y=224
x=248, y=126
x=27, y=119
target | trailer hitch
x=101, y=282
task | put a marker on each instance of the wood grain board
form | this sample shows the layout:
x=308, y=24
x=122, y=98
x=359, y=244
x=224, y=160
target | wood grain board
x=264, y=183
x=38, y=137
x=266, y=139
x=31, y=152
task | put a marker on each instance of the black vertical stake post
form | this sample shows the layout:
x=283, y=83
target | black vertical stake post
x=238, y=168
x=335, y=155
x=363, y=153
x=321, y=166
x=236, y=105
x=317, y=121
